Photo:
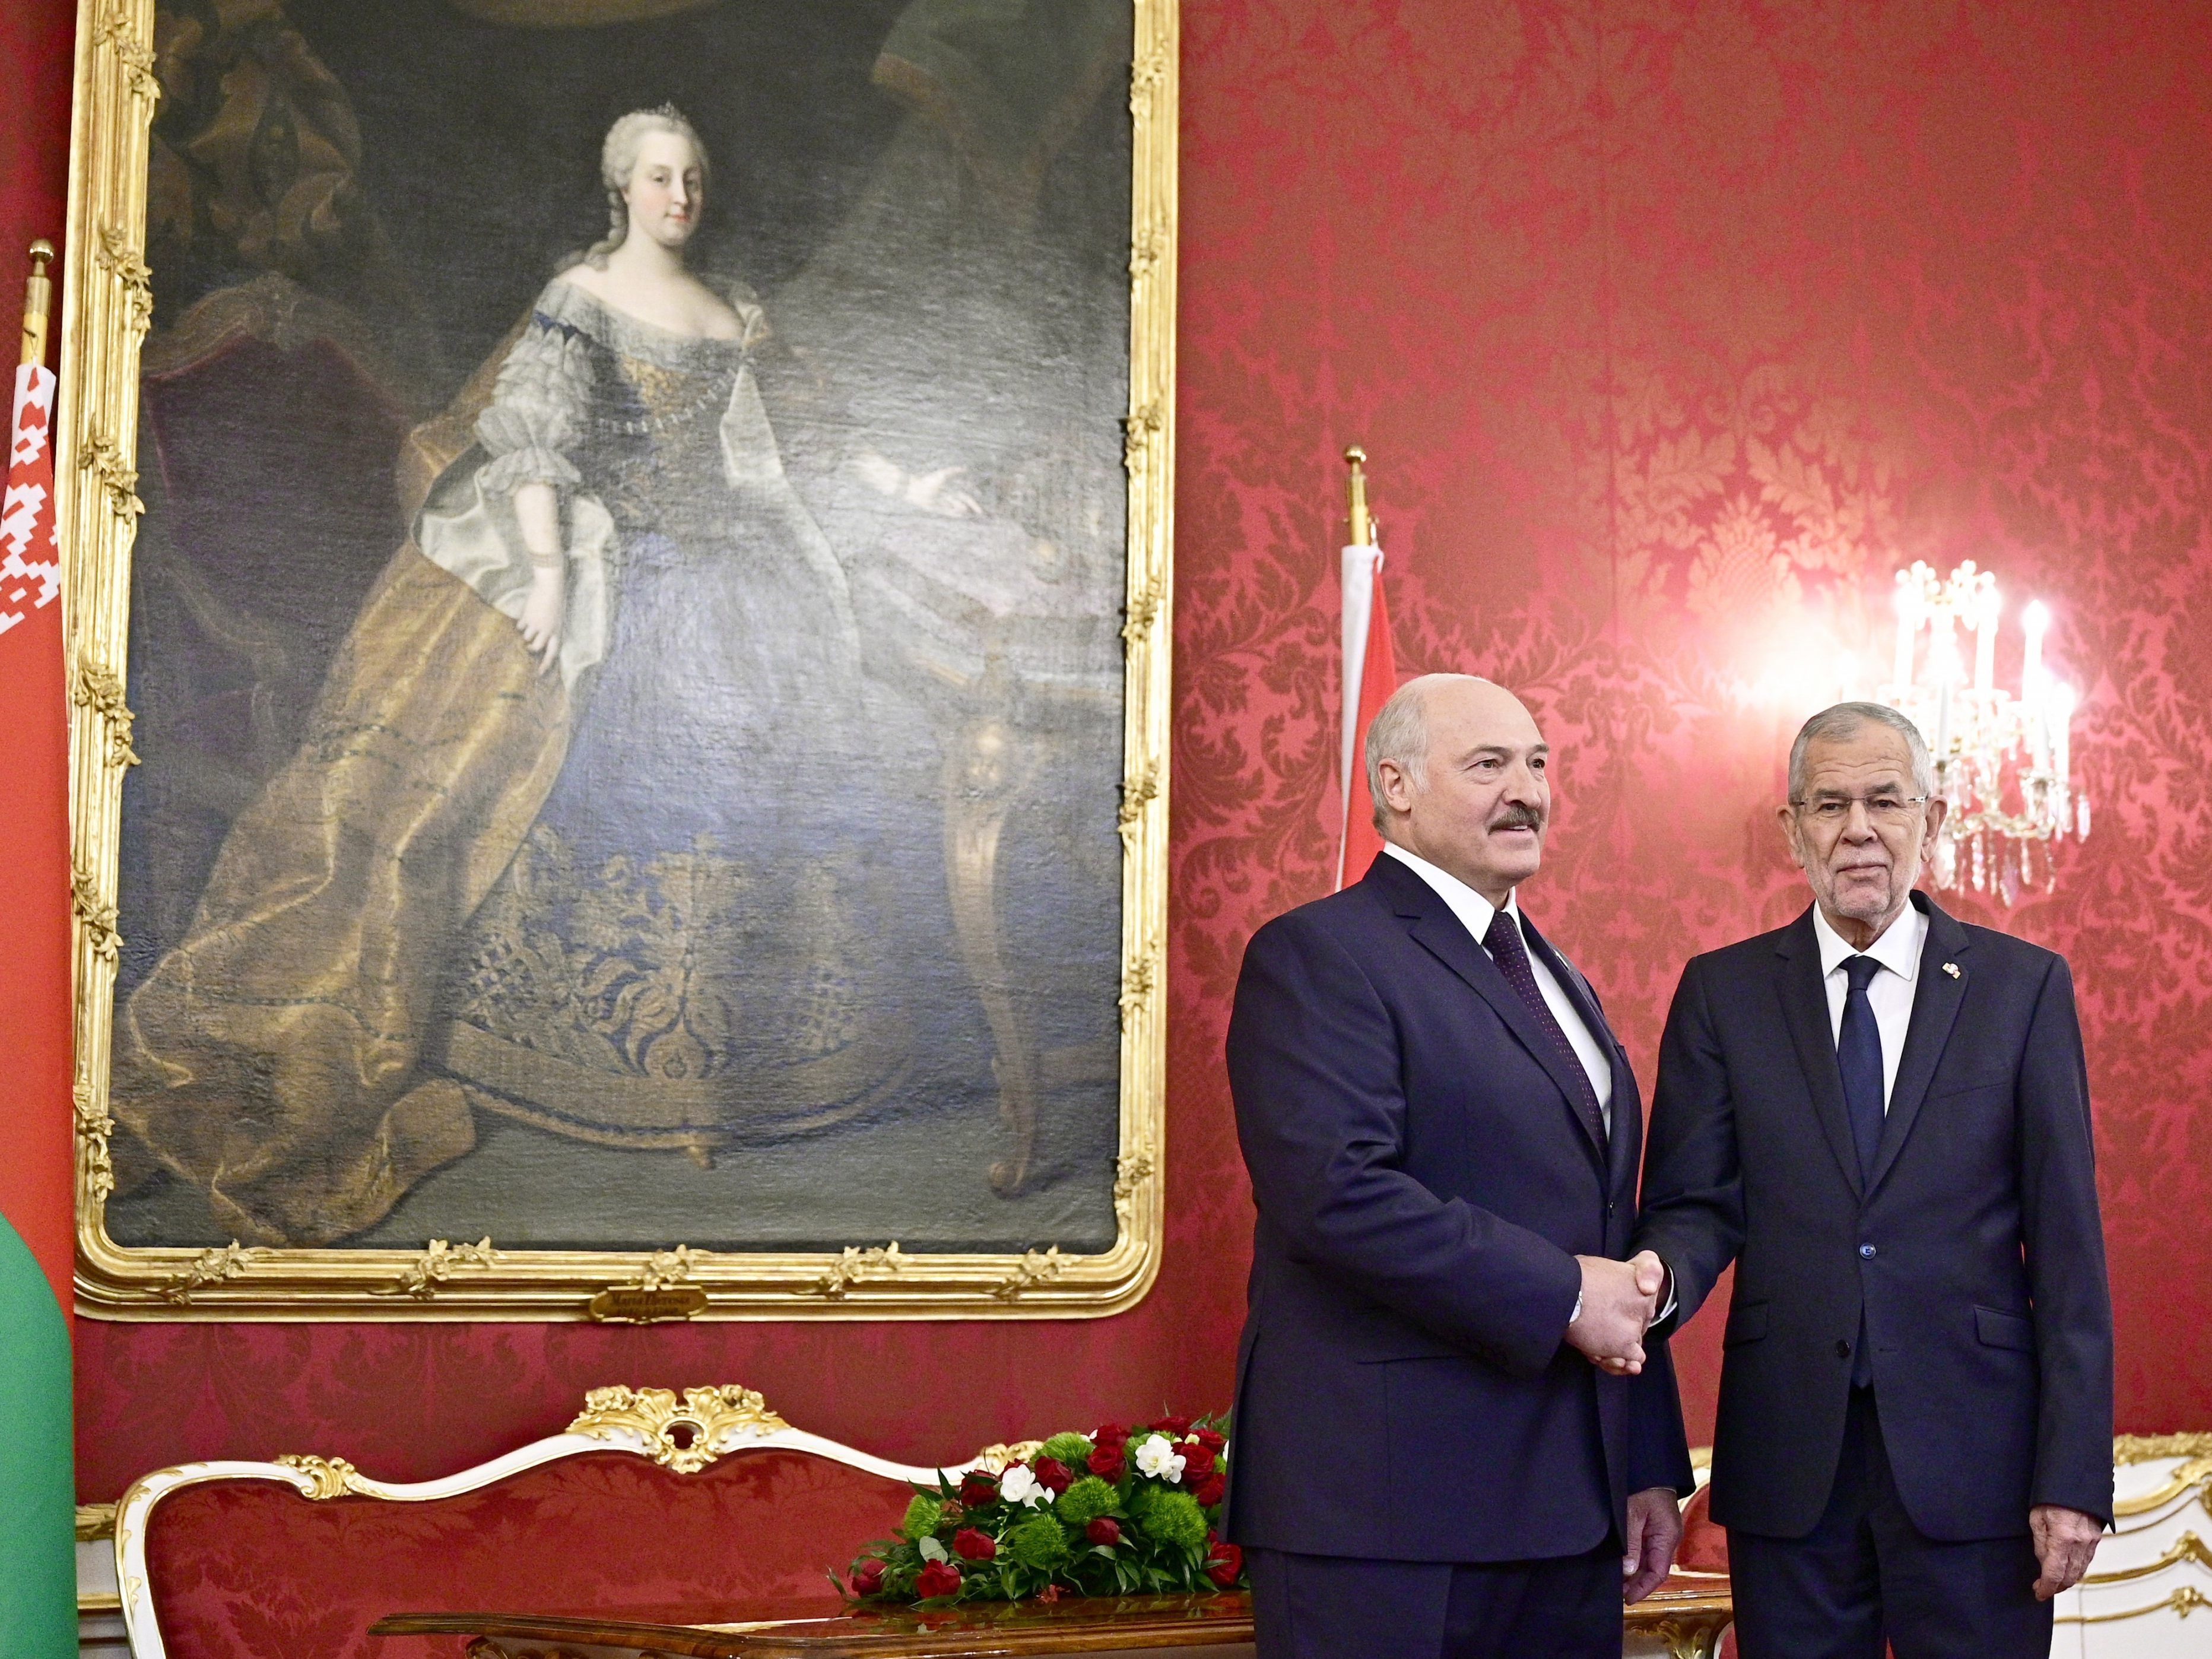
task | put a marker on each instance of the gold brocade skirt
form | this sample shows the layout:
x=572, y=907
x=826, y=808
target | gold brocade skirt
x=431, y=911
x=273, y=1058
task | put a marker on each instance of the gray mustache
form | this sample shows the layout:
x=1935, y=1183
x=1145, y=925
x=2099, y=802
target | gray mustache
x=1518, y=818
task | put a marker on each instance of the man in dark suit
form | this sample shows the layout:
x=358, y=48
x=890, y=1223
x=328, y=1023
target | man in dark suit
x=1882, y=1118
x=1450, y=1437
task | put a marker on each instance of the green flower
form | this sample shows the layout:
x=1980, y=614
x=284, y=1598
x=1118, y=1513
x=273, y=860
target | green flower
x=924, y=1515
x=1072, y=1449
x=1040, y=1543
x=1085, y=1501
x=1174, y=1518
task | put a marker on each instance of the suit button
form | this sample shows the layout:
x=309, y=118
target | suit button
x=1843, y=1349
x=1608, y=1206
x=1866, y=1250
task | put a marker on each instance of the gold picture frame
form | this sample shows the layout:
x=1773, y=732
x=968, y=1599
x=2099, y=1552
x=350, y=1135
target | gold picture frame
x=107, y=303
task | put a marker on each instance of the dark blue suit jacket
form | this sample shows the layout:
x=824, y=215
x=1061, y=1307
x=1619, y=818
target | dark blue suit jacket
x=1423, y=1183
x=1975, y=1254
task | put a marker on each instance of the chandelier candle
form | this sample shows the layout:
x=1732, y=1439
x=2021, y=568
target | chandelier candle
x=2002, y=762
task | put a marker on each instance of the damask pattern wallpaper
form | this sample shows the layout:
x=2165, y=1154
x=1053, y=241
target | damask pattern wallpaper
x=1673, y=329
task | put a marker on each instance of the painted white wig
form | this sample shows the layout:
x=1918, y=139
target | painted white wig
x=618, y=160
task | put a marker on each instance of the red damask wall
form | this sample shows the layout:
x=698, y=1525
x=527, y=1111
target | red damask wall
x=1673, y=329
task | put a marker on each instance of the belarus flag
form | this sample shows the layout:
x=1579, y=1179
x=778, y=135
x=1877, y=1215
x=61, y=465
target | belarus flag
x=38, y=1499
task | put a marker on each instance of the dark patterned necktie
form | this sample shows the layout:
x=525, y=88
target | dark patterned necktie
x=1858, y=1056
x=1511, y=952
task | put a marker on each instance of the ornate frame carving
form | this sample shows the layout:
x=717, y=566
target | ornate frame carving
x=684, y=1434
x=106, y=311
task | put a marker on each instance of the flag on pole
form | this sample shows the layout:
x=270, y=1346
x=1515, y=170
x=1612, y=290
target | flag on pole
x=1370, y=675
x=38, y=1231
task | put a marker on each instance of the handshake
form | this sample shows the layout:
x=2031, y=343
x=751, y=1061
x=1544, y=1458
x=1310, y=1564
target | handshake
x=1620, y=1299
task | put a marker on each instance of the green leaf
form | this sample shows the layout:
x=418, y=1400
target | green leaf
x=932, y=1550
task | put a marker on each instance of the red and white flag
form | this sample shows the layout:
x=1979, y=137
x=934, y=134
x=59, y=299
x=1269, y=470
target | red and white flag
x=1370, y=675
x=38, y=1231
x=36, y=1180
x=30, y=562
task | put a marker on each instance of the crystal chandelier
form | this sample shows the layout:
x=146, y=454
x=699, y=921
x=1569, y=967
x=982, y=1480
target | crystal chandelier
x=2001, y=761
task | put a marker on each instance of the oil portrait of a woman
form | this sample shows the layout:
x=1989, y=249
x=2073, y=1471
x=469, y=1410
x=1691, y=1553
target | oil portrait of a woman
x=629, y=876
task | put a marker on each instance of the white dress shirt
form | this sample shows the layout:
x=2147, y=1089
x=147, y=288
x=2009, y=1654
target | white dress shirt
x=1474, y=913
x=1889, y=993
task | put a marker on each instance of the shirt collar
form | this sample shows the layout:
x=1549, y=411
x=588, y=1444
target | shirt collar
x=1473, y=911
x=1897, y=949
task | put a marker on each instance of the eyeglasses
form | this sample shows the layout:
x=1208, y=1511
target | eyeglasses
x=1890, y=812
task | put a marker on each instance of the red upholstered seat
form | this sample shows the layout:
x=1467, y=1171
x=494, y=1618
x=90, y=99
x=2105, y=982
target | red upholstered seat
x=1705, y=1549
x=250, y=1570
x=1705, y=1541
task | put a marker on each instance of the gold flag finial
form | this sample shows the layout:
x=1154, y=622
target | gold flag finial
x=38, y=300
x=1363, y=534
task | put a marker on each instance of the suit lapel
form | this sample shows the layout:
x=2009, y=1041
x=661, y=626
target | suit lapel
x=1805, y=1011
x=1584, y=995
x=1445, y=937
x=1935, y=999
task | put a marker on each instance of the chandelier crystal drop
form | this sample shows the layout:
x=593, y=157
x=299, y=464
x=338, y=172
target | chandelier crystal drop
x=2002, y=761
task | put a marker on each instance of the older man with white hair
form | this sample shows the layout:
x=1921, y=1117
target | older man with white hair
x=1881, y=1116
x=1452, y=1437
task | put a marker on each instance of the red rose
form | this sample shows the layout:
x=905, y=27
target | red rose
x=938, y=1578
x=973, y=1546
x=1197, y=1459
x=1052, y=1475
x=978, y=1488
x=868, y=1576
x=1105, y=1530
x=1106, y=1463
x=1112, y=1434
x=1224, y=1564
x=1177, y=1426
x=1210, y=1439
x=1208, y=1491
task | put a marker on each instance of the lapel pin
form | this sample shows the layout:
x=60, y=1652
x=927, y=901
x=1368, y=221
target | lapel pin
x=1952, y=969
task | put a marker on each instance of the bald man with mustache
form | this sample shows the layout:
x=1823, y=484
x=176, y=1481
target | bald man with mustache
x=1453, y=1437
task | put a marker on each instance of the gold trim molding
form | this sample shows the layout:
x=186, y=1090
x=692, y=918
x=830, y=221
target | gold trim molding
x=685, y=1435
x=2188, y=1548
x=2149, y=1448
x=2195, y=1469
x=107, y=299
x=2183, y=1603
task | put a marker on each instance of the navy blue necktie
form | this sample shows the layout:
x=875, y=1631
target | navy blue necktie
x=1858, y=1053
x=1511, y=952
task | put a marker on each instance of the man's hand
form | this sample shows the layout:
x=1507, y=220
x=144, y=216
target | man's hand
x=1618, y=1299
x=1654, y=1532
x=2065, y=1541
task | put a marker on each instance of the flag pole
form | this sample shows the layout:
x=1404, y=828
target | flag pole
x=1362, y=535
x=1370, y=671
x=37, y=303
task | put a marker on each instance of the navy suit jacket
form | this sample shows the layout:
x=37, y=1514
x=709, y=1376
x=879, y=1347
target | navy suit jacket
x=1974, y=1255
x=1423, y=1183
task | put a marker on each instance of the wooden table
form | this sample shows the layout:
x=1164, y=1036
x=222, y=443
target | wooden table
x=1684, y=1619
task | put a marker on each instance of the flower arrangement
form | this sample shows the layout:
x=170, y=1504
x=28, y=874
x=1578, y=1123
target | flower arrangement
x=1117, y=1511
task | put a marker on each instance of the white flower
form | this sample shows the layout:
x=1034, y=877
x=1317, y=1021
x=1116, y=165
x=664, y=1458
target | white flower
x=1019, y=1485
x=1158, y=1458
